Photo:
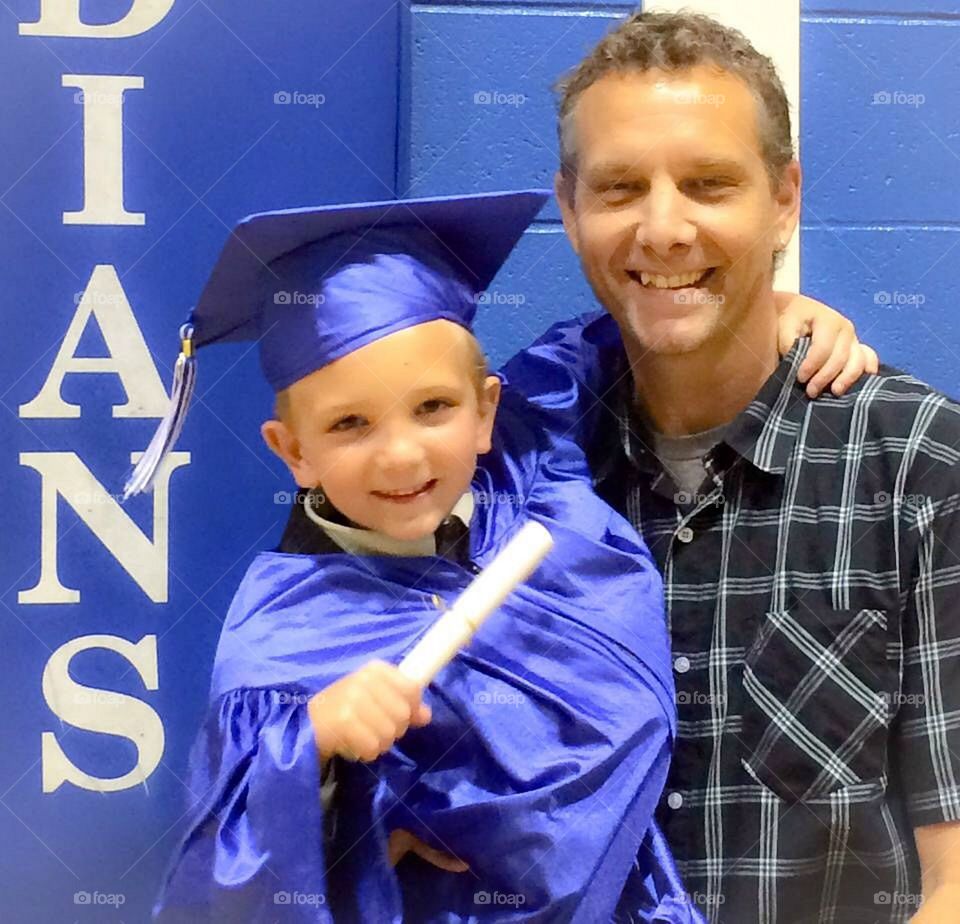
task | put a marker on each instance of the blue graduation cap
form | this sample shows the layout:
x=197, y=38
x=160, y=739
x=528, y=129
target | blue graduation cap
x=313, y=284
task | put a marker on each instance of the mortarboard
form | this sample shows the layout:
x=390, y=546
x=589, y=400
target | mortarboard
x=313, y=284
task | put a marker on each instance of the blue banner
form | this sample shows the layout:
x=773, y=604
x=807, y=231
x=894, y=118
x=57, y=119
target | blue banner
x=136, y=134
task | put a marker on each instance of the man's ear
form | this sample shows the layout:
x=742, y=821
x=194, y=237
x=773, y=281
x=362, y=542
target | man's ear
x=487, y=409
x=564, y=188
x=788, y=203
x=283, y=442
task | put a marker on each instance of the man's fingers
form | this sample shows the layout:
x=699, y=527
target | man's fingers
x=871, y=360
x=437, y=857
x=398, y=845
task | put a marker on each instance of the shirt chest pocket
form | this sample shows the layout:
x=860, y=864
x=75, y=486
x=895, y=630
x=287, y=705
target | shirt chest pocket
x=818, y=688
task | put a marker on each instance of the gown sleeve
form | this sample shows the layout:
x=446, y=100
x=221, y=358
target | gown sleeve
x=566, y=374
x=254, y=849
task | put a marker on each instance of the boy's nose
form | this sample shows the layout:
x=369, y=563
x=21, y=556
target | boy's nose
x=400, y=450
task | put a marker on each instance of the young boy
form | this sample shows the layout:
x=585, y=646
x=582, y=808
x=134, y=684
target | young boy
x=543, y=750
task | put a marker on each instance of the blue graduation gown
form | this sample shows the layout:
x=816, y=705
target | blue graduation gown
x=542, y=765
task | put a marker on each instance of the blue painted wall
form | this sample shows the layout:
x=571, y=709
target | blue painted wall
x=881, y=229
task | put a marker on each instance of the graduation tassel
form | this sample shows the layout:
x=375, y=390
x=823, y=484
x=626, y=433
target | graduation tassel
x=184, y=381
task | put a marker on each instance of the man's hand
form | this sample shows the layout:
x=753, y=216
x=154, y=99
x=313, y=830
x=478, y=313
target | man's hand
x=836, y=355
x=361, y=715
x=938, y=847
x=403, y=842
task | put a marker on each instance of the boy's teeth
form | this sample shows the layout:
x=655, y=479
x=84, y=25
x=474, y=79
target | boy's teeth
x=669, y=282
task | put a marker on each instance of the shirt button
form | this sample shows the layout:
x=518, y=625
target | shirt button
x=681, y=665
x=685, y=534
x=675, y=800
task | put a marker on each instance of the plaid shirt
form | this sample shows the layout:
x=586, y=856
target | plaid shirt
x=813, y=592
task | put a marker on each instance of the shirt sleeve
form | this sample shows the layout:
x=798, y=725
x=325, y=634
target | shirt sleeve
x=254, y=848
x=928, y=715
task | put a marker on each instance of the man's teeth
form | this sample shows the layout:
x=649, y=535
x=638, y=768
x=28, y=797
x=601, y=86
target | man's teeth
x=670, y=282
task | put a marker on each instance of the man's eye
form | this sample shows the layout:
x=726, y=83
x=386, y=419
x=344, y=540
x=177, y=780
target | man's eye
x=350, y=422
x=711, y=184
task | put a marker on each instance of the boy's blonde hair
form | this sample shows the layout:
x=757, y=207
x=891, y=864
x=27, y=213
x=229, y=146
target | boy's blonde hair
x=480, y=369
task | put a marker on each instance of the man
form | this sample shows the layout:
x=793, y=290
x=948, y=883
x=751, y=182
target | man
x=810, y=549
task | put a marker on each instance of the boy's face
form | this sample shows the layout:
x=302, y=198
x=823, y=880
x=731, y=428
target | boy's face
x=391, y=432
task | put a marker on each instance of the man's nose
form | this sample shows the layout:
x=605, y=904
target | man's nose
x=664, y=226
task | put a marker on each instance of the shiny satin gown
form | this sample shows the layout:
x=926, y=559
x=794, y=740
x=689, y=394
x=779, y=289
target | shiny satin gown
x=542, y=765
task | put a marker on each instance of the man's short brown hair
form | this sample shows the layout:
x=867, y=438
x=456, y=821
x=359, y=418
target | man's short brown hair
x=676, y=42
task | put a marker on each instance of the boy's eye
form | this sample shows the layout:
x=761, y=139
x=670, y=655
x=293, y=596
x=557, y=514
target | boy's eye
x=434, y=406
x=350, y=422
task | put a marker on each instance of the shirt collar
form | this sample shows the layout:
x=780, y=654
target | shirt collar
x=357, y=541
x=764, y=433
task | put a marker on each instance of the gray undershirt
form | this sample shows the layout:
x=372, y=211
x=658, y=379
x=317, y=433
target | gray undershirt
x=682, y=456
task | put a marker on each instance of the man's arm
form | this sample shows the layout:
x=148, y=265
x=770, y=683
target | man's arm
x=939, y=850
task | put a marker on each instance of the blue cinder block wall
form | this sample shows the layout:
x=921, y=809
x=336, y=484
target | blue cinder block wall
x=880, y=140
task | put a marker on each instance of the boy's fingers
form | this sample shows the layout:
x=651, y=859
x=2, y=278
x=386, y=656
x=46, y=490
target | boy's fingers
x=787, y=333
x=871, y=359
x=832, y=367
x=389, y=675
x=422, y=716
x=851, y=372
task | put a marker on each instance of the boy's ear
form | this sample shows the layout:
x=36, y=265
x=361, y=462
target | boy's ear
x=283, y=442
x=489, y=400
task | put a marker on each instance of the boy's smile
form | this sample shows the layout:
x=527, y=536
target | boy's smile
x=391, y=432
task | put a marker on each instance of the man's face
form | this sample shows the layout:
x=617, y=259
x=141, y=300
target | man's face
x=672, y=212
x=391, y=432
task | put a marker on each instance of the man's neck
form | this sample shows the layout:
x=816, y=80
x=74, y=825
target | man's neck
x=692, y=392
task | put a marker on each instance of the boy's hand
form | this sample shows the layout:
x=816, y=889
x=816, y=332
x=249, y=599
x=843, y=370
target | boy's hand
x=361, y=715
x=836, y=355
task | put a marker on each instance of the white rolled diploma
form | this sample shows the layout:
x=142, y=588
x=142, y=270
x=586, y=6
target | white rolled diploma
x=512, y=565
